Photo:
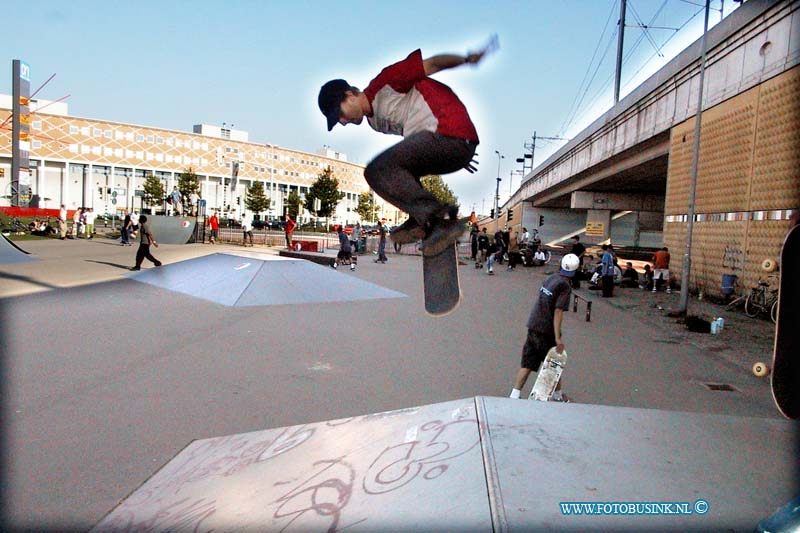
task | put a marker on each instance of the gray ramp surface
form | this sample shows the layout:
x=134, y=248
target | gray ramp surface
x=239, y=281
x=11, y=253
x=410, y=470
x=171, y=230
x=478, y=464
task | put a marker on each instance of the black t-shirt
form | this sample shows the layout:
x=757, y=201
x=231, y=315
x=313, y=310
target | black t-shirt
x=578, y=249
x=554, y=294
x=483, y=241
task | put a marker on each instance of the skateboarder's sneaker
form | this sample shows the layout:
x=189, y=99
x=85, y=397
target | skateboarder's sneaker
x=352, y=266
x=408, y=232
x=443, y=234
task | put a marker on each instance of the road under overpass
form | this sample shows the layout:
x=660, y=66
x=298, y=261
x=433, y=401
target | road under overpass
x=625, y=178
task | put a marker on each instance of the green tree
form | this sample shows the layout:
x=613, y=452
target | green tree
x=326, y=190
x=188, y=182
x=154, y=192
x=367, y=208
x=255, y=199
x=439, y=188
x=293, y=204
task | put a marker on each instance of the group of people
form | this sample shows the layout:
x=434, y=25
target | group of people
x=348, y=246
x=183, y=205
x=505, y=245
x=83, y=220
x=607, y=273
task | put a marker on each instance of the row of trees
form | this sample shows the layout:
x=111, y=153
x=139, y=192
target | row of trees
x=320, y=200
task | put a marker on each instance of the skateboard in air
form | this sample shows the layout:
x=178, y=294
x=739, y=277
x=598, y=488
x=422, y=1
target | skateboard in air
x=549, y=375
x=440, y=279
x=786, y=353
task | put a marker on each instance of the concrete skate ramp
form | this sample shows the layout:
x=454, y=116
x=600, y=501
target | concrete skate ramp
x=239, y=281
x=171, y=230
x=478, y=464
x=11, y=253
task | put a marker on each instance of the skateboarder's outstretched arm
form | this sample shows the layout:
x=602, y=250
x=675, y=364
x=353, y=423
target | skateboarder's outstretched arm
x=436, y=63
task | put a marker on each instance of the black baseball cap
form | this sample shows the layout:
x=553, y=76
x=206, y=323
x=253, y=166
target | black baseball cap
x=330, y=99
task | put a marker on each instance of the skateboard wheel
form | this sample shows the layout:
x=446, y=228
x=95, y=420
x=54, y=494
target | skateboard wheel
x=760, y=369
x=769, y=265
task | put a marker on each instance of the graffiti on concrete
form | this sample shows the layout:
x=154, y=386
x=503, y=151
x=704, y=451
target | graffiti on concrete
x=733, y=257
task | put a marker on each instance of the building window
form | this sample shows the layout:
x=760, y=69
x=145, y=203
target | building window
x=107, y=134
x=73, y=130
x=150, y=139
x=139, y=137
x=36, y=124
x=178, y=143
x=36, y=144
x=97, y=132
x=129, y=136
x=225, y=133
x=118, y=135
x=73, y=148
x=159, y=140
x=85, y=130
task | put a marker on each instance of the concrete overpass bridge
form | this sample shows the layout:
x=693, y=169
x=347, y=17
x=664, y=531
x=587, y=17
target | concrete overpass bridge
x=626, y=177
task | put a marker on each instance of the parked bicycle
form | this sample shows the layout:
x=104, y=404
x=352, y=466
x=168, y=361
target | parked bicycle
x=762, y=299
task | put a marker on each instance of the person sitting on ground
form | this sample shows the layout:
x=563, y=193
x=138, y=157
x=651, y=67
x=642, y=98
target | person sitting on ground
x=345, y=255
x=630, y=278
x=646, y=282
x=539, y=257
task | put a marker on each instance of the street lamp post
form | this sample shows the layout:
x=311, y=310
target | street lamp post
x=687, y=256
x=497, y=190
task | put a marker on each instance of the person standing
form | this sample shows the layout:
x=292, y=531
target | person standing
x=62, y=222
x=125, y=230
x=76, y=222
x=661, y=269
x=513, y=251
x=146, y=239
x=213, y=223
x=492, y=251
x=247, y=228
x=483, y=248
x=524, y=238
x=355, y=237
x=544, y=324
x=176, y=197
x=607, y=272
x=382, y=242
x=194, y=201
x=473, y=240
x=90, y=217
x=290, y=225
x=578, y=249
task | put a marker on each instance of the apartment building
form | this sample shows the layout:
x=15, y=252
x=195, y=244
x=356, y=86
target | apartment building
x=103, y=165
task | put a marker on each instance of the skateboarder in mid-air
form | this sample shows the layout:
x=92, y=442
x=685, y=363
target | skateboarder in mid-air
x=438, y=138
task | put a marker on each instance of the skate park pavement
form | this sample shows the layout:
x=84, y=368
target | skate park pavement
x=107, y=378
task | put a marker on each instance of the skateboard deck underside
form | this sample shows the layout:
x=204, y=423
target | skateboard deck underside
x=786, y=355
x=440, y=279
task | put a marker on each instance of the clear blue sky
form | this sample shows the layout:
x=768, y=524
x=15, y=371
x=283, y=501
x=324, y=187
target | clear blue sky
x=259, y=64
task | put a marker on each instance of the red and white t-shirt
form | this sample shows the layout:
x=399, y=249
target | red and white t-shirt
x=405, y=101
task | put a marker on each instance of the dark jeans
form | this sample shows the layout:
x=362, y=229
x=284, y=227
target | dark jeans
x=123, y=233
x=395, y=174
x=144, y=253
x=382, y=250
x=608, y=286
